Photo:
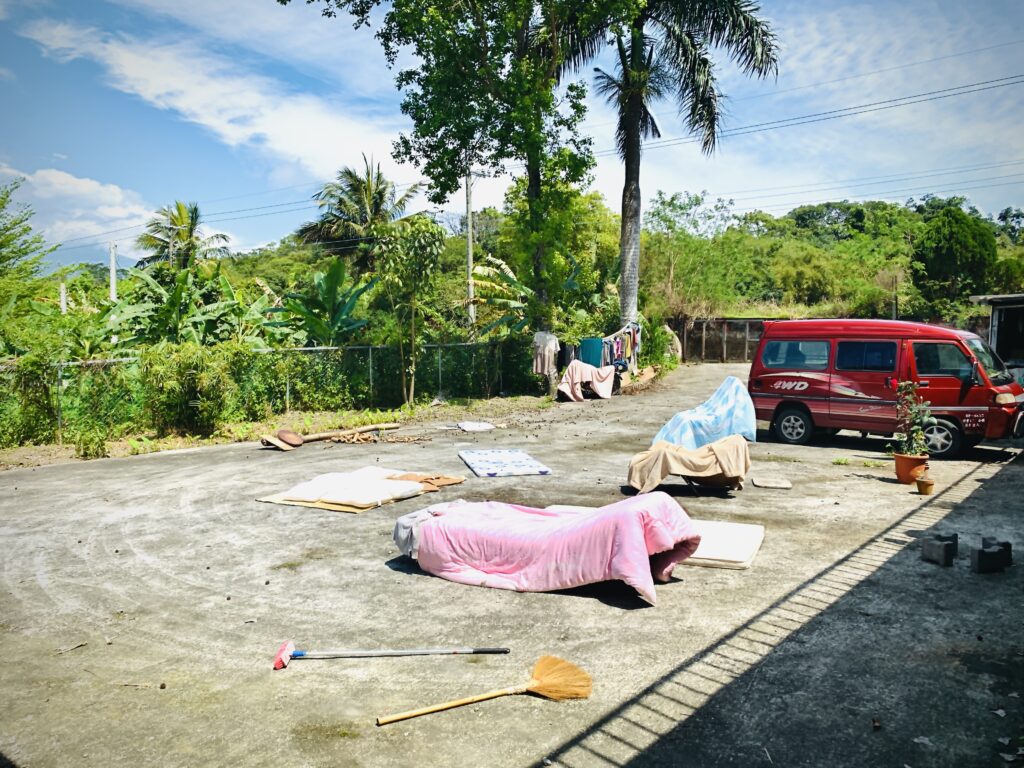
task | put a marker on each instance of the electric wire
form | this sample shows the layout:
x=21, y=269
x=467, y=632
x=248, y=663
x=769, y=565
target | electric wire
x=834, y=114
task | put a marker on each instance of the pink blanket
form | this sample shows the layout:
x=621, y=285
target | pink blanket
x=491, y=544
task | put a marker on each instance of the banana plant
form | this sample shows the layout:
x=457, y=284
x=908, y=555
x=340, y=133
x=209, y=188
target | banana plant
x=324, y=314
x=497, y=286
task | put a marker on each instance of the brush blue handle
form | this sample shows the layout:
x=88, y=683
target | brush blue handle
x=297, y=654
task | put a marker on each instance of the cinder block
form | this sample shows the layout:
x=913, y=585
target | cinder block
x=989, y=559
x=939, y=549
x=988, y=542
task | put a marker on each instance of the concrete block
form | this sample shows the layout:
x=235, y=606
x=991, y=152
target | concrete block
x=940, y=549
x=991, y=559
x=988, y=542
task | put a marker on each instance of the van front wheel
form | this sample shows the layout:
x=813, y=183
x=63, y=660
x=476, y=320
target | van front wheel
x=944, y=439
x=793, y=426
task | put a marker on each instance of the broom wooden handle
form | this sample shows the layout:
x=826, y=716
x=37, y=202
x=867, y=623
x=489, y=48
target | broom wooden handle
x=343, y=432
x=451, y=704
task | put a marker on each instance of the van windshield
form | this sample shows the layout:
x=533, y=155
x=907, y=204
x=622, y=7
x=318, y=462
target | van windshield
x=989, y=360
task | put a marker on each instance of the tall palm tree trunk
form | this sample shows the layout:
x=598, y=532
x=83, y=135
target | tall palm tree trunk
x=629, y=237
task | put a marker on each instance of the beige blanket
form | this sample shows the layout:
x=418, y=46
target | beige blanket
x=723, y=463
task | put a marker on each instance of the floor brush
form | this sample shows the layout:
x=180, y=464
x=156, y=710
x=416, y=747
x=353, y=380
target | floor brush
x=552, y=677
x=287, y=652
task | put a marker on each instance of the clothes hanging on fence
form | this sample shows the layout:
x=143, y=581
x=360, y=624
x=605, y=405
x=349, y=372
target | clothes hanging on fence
x=592, y=351
x=622, y=348
x=567, y=354
x=545, y=348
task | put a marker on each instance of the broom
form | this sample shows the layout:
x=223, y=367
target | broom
x=552, y=677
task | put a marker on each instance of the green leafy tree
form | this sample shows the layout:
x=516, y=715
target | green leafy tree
x=325, y=313
x=482, y=90
x=352, y=205
x=953, y=258
x=1011, y=224
x=407, y=254
x=666, y=48
x=21, y=250
x=174, y=236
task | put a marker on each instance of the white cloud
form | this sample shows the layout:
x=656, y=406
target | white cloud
x=69, y=207
x=241, y=109
x=6, y=74
x=325, y=49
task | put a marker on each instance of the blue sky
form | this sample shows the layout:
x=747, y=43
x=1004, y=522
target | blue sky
x=113, y=108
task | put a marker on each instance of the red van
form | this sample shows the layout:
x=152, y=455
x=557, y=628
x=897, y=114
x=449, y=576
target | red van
x=842, y=374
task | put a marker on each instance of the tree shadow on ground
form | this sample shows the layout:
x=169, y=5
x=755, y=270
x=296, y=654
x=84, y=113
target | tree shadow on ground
x=878, y=659
x=6, y=762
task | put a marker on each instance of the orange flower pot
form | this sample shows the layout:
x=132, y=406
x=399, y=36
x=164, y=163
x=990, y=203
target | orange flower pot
x=910, y=468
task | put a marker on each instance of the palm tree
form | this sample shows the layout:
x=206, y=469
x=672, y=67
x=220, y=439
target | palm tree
x=673, y=60
x=174, y=236
x=352, y=205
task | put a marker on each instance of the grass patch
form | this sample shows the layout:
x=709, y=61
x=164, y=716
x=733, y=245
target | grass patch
x=308, y=556
x=325, y=731
x=874, y=464
x=841, y=462
x=777, y=458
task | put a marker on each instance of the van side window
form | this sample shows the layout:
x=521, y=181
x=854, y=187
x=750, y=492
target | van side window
x=796, y=355
x=866, y=356
x=938, y=359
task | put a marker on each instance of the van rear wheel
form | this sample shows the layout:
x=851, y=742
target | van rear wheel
x=793, y=426
x=944, y=439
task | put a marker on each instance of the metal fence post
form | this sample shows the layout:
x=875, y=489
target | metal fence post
x=371, y=375
x=60, y=415
x=703, y=340
x=439, y=370
x=287, y=389
x=725, y=336
x=746, y=342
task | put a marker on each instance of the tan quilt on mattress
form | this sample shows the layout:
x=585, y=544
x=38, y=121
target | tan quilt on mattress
x=723, y=463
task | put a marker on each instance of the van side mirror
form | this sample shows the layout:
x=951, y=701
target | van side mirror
x=975, y=379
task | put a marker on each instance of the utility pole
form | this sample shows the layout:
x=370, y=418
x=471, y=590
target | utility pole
x=895, y=298
x=113, y=271
x=469, y=248
x=170, y=252
x=63, y=298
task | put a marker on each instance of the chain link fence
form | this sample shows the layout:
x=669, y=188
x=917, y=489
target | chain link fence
x=120, y=396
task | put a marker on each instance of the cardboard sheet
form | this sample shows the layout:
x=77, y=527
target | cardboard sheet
x=363, y=489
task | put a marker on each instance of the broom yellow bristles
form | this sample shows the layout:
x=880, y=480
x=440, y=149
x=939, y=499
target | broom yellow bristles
x=552, y=678
x=555, y=678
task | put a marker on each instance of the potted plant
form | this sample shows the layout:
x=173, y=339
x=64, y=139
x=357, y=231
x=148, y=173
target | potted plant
x=910, y=448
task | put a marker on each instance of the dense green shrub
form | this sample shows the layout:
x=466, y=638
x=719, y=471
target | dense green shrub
x=34, y=382
x=91, y=443
x=185, y=388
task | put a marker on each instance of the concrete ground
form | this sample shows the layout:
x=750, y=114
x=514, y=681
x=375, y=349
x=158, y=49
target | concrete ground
x=142, y=599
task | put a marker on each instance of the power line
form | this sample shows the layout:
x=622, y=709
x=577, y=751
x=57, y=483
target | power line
x=875, y=196
x=857, y=76
x=904, y=174
x=877, y=71
x=833, y=114
x=889, y=181
x=207, y=218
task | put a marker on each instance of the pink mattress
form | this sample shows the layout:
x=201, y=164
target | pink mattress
x=492, y=544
